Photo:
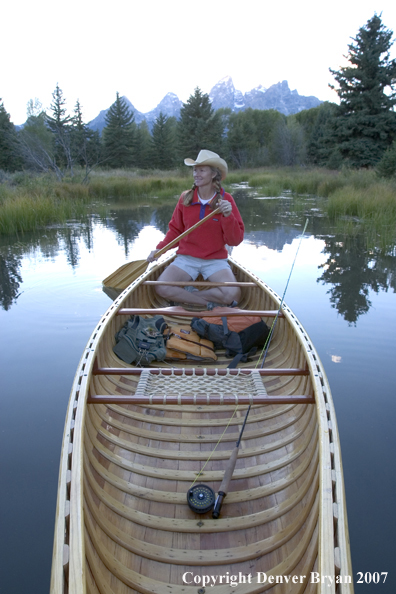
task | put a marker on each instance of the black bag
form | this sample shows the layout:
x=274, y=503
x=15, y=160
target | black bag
x=239, y=345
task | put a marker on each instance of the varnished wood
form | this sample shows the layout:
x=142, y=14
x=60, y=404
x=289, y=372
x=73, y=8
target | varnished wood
x=128, y=458
x=206, y=284
x=199, y=400
x=197, y=371
x=177, y=310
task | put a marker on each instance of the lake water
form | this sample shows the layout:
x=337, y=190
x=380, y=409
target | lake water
x=51, y=298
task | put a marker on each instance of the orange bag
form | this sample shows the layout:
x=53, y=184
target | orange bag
x=235, y=323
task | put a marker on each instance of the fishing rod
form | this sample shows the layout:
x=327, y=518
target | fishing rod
x=271, y=332
x=201, y=498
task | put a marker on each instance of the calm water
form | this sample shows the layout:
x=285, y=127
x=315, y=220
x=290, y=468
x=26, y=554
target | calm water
x=51, y=299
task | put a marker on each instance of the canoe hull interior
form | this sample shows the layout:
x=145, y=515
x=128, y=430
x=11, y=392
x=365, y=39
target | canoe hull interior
x=123, y=524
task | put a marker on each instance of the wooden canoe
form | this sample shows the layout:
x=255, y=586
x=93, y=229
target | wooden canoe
x=131, y=453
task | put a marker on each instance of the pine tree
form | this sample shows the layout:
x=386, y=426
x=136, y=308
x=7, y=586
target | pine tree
x=163, y=142
x=119, y=135
x=85, y=143
x=200, y=127
x=9, y=159
x=59, y=124
x=142, y=146
x=318, y=124
x=366, y=123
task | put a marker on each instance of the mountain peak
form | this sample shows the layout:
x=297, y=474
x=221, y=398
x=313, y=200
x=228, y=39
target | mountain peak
x=224, y=95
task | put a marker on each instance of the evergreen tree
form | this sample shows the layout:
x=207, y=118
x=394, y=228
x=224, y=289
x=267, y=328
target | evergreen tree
x=9, y=159
x=142, y=146
x=85, y=143
x=59, y=124
x=163, y=142
x=79, y=136
x=366, y=124
x=241, y=138
x=318, y=125
x=119, y=135
x=200, y=127
x=250, y=138
x=387, y=165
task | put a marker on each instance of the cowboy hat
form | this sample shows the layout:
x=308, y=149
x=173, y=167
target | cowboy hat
x=208, y=158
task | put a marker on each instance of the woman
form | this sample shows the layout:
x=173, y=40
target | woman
x=204, y=249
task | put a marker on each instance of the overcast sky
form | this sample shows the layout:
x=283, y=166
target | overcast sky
x=147, y=48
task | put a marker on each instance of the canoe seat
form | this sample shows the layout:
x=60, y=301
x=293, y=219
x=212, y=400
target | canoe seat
x=196, y=386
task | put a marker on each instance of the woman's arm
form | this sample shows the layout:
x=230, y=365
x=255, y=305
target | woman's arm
x=232, y=224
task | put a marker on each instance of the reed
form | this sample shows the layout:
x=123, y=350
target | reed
x=371, y=209
x=22, y=211
x=133, y=189
x=28, y=202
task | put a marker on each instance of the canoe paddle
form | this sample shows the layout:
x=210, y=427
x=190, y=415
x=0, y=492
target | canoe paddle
x=127, y=273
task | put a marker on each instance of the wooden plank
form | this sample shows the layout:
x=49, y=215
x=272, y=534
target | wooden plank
x=180, y=311
x=200, y=283
x=198, y=371
x=198, y=400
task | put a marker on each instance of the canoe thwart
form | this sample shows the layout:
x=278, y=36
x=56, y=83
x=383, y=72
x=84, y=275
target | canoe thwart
x=180, y=311
x=200, y=283
x=199, y=400
x=278, y=371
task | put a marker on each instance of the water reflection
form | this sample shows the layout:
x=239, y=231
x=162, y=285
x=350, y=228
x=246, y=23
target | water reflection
x=10, y=278
x=350, y=269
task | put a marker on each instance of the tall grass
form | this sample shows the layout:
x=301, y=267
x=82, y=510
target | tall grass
x=25, y=213
x=28, y=202
x=134, y=189
x=40, y=202
x=372, y=209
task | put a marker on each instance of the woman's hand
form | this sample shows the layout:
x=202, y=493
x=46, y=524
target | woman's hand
x=151, y=257
x=225, y=207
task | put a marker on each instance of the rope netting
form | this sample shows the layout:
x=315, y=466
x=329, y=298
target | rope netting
x=203, y=385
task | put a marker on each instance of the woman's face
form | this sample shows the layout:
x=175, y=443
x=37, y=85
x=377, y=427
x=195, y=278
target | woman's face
x=203, y=175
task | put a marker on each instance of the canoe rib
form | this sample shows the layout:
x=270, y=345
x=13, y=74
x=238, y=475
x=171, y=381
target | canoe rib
x=122, y=517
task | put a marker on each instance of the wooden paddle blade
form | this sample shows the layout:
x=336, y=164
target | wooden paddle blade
x=125, y=274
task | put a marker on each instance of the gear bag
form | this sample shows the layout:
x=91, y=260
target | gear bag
x=239, y=345
x=141, y=340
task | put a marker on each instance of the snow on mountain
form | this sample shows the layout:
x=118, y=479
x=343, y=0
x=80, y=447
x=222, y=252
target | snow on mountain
x=223, y=94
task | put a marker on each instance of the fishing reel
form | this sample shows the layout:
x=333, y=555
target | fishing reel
x=200, y=499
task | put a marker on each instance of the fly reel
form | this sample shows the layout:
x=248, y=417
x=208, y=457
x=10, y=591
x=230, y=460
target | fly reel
x=200, y=499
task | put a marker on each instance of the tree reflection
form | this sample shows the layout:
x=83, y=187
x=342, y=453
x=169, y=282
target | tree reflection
x=353, y=270
x=10, y=279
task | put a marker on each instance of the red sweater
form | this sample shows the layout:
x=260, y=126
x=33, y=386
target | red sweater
x=209, y=240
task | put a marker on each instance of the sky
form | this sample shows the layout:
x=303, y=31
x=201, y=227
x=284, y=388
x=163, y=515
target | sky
x=144, y=49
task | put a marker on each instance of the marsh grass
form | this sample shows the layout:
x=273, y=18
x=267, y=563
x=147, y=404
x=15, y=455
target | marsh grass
x=371, y=209
x=134, y=189
x=354, y=199
x=26, y=212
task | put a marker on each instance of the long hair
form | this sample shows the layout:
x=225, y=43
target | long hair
x=216, y=180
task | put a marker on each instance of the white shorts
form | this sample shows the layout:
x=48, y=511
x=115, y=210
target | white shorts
x=195, y=266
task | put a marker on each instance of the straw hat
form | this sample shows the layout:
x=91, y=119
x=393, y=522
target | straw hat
x=208, y=158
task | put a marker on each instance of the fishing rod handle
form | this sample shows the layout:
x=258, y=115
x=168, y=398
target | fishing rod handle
x=225, y=483
x=218, y=504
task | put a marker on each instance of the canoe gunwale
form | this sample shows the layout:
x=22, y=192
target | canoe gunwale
x=68, y=566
